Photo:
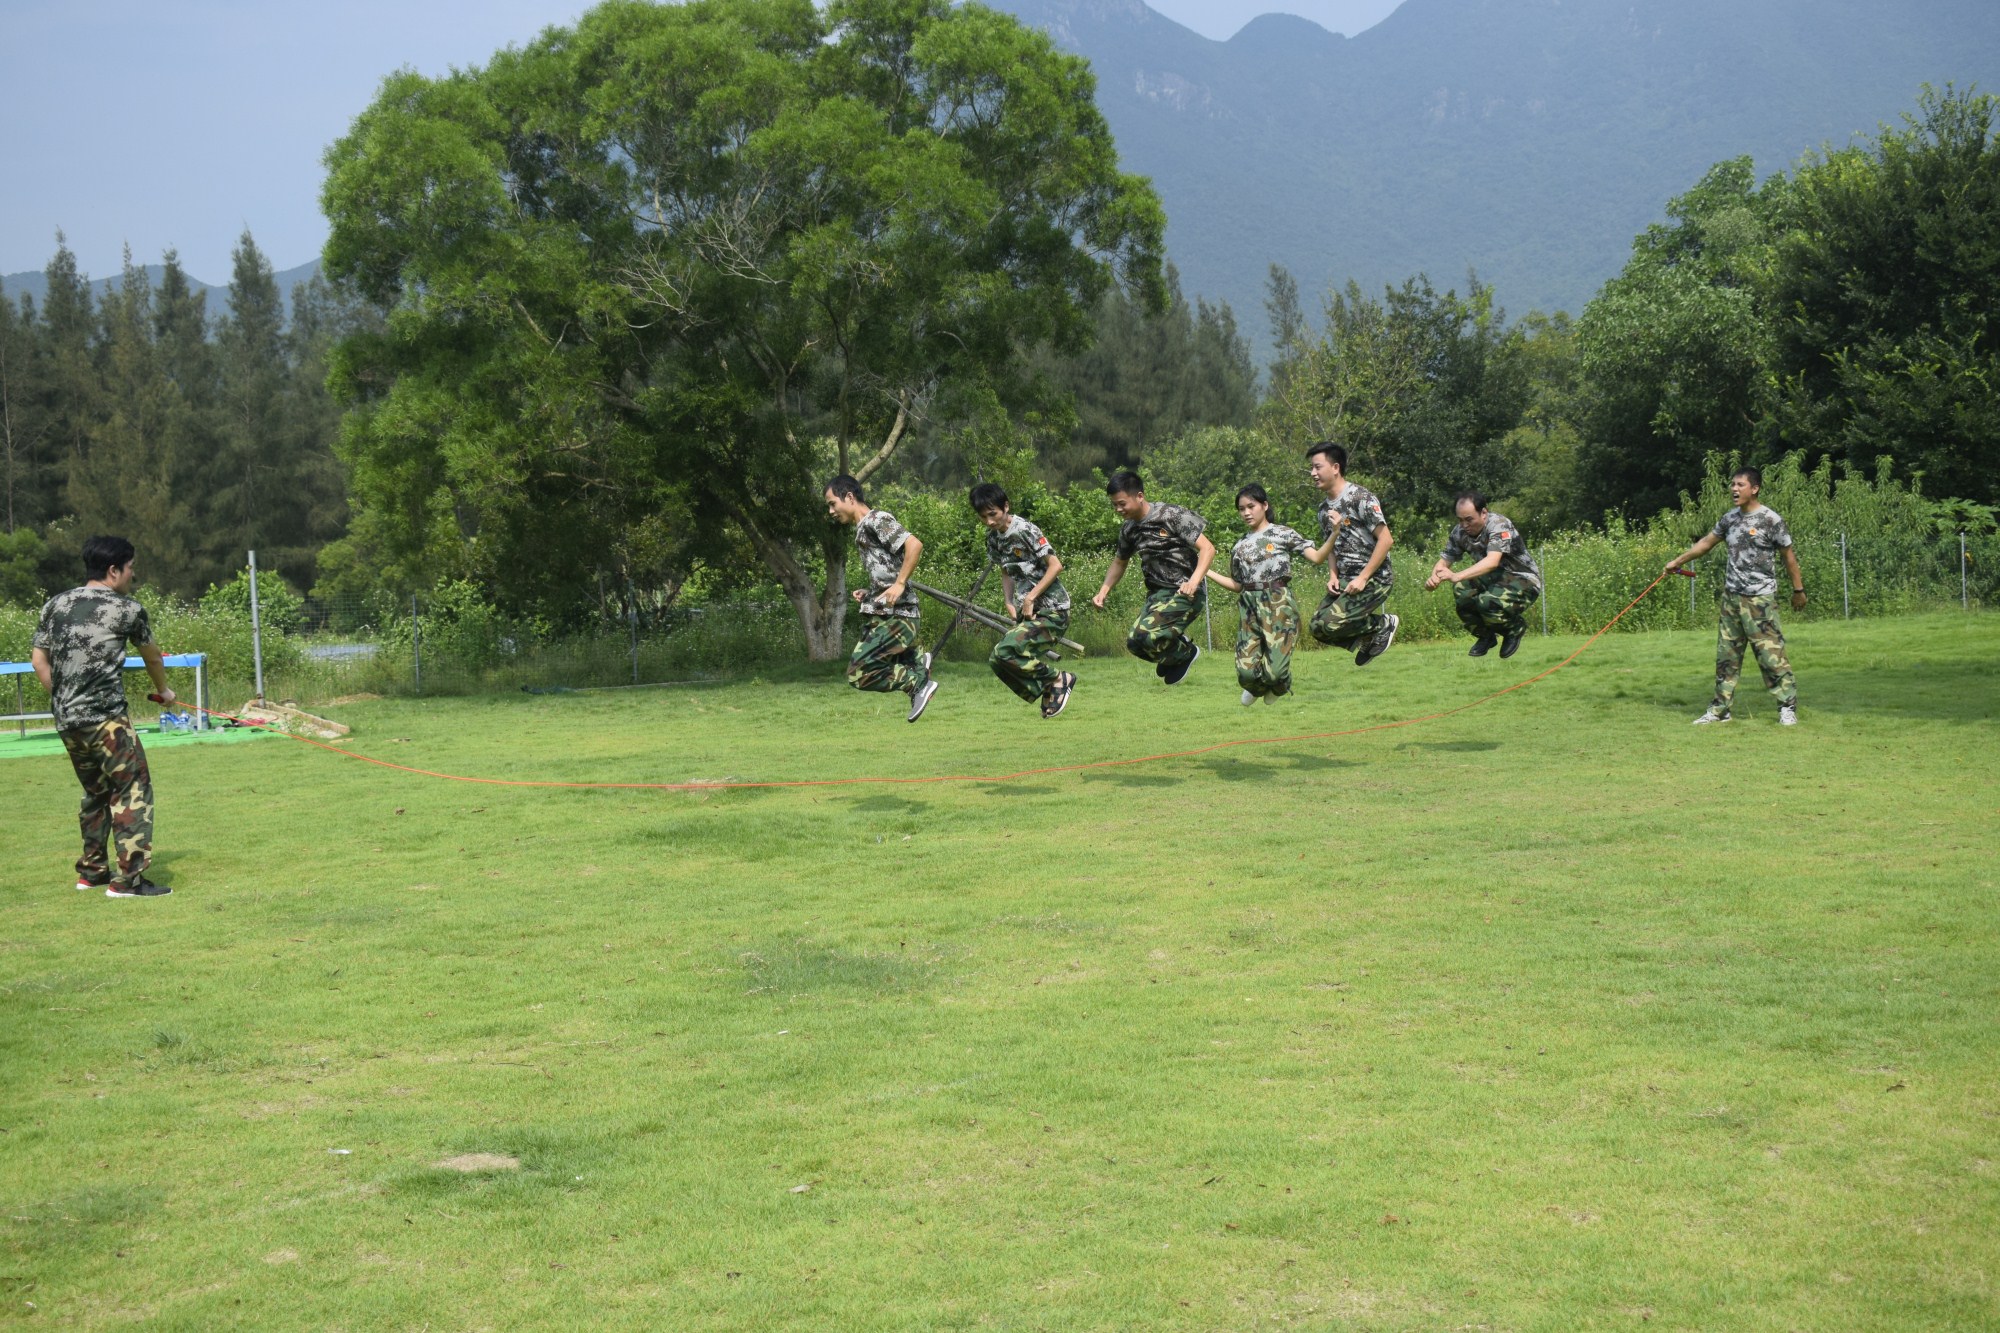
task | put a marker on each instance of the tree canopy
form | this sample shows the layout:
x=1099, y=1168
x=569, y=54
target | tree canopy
x=678, y=262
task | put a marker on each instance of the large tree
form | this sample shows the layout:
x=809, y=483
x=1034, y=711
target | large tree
x=1674, y=348
x=1420, y=386
x=1885, y=298
x=687, y=259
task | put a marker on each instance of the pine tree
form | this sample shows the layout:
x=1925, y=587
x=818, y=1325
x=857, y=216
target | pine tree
x=254, y=507
x=130, y=478
x=29, y=483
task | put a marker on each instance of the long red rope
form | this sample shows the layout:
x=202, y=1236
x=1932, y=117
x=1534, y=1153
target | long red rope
x=962, y=777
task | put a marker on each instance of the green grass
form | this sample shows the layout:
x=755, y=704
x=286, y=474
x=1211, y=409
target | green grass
x=1555, y=1014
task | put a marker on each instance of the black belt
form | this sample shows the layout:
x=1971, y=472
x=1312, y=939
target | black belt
x=1273, y=586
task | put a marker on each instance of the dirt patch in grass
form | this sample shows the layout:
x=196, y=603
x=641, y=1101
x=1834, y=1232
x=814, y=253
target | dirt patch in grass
x=469, y=1162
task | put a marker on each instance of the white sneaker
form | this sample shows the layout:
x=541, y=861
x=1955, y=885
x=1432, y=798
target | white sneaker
x=1788, y=715
x=922, y=699
x=1248, y=699
x=1712, y=715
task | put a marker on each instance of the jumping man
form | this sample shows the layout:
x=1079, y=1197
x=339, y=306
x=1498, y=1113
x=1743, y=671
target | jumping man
x=1350, y=616
x=1174, y=557
x=1496, y=590
x=1260, y=574
x=79, y=656
x=1036, y=601
x=1749, y=613
x=886, y=657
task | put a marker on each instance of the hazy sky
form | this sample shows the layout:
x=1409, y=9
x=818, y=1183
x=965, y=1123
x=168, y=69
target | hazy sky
x=178, y=124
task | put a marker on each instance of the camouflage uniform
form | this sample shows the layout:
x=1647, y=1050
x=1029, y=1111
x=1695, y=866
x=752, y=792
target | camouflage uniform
x=1495, y=602
x=1164, y=542
x=1353, y=618
x=1749, y=610
x=1023, y=554
x=885, y=658
x=84, y=632
x=1262, y=564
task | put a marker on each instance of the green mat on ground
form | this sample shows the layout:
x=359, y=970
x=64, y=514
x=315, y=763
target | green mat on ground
x=15, y=746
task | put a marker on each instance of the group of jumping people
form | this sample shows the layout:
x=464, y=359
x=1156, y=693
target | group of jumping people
x=81, y=639
x=1175, y=557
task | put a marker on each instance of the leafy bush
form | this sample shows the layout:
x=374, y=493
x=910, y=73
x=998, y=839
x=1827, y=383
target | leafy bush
x=279, y=605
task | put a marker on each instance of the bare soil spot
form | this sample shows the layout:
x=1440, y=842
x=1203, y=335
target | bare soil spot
x=469, y=1162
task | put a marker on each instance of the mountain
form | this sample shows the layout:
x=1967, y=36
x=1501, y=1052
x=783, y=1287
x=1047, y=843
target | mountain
x=1527, y=139
x=36, y=285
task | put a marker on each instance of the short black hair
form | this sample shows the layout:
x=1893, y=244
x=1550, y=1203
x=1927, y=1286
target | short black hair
x=1335, y=454
x=844, y=487
x=1478, y=499
x=1253, y=491
x=1756, y=476
x=988, y=495
x=1124, y=482
x=101, y=555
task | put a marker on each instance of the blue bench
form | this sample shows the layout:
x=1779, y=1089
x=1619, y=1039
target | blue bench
x=199, y=661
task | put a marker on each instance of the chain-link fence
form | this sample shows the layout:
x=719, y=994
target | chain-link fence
x=452, y=641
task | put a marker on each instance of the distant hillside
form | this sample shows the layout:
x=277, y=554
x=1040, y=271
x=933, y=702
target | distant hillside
x=1529, y=139
x=36, y=285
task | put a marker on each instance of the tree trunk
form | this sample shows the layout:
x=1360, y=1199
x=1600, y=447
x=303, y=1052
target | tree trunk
x=822, y=612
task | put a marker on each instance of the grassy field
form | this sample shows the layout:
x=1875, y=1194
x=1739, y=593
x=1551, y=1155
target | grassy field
x=1555, y=1014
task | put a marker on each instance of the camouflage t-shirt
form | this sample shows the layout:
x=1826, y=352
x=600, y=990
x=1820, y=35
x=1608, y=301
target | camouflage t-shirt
x=1023, y=554
x=1263, y=556
x=1502, y=535
x=881, y=539
x=1753, y=540
x=84, y=631
x=1357, y=513
x=1164, y=542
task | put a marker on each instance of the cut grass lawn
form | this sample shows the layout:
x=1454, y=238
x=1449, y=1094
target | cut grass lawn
x=1555, y=1014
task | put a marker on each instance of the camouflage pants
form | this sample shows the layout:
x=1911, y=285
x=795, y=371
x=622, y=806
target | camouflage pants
x=1353, y=617
x=1159, y=635
x=886, y=657
x=1017, y=659
x=1264, y=644
x=1751, y=621
x=117, y=800
x=1494, y=604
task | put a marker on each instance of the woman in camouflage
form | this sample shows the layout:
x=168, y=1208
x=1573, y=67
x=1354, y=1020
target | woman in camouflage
x=1260, y=574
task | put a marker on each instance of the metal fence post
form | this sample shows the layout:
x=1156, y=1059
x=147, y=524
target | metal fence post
x=1693, y=613
x=1207, y=621
x=1846, y=612
x=1542, y=564
x=256, y=631
x=416, y=646
x=1964, y=593
x=632, y=623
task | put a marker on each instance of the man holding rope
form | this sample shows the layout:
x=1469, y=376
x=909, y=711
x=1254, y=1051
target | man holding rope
x=79, y=656
x=1749, y=610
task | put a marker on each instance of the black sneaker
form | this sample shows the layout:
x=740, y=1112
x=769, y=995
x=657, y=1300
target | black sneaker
x=921, y=699
x=145, y=888
x=1174, y=675
x=1511, y=644
x=1058, y=696
x=1378, y=645
x=1482, y=646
